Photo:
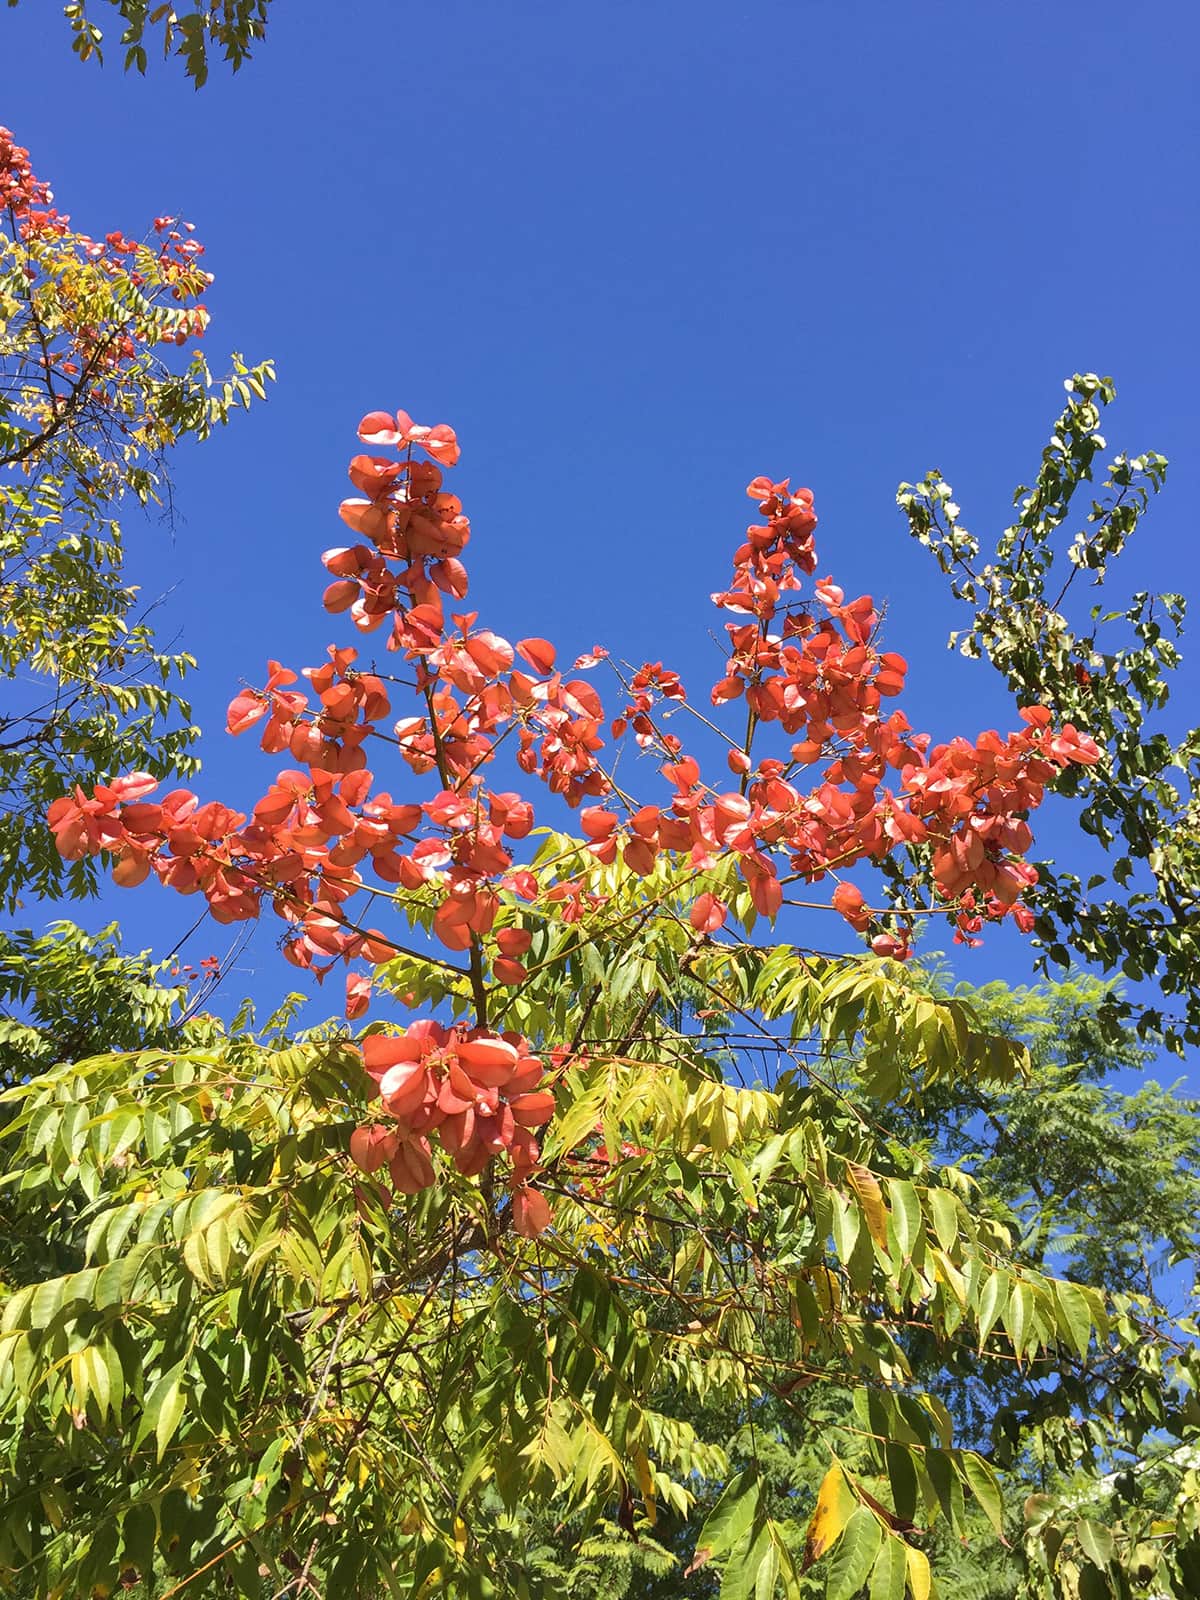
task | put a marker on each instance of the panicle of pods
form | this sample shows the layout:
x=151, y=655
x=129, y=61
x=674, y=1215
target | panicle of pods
x=84, y=347
x=323, y=830
x=478, y=1091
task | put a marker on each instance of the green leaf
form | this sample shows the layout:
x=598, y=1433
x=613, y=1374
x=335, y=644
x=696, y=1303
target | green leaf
x=1096, y=1541
x=944, y=1209
x=920, y=1579
x=985, y=1486
x=853, y=1556
x=906, y=1216
x=992, y=1301
x=1017, y=1313
x=1075, y=1315
x=730, y=1519
x=163, y=1408
x=889, y=1574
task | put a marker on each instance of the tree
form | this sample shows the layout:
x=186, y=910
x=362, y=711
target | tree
x=589, y=1221
x=90, y=409
x=231, y=26
x=1108, y=667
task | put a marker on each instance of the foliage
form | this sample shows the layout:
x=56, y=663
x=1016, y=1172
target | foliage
x=245, y=1345
x=1106, y=667
x=69, y=994
x=90, y=410
x=347, y=1315
x=231, y=26
x=1069, y=1161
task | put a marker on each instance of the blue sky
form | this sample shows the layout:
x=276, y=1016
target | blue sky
x=637, y=254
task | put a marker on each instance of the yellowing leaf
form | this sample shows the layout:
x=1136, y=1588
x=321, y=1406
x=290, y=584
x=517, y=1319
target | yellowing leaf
x=870, y=1197
x=836, y=1504
x=920, y=1579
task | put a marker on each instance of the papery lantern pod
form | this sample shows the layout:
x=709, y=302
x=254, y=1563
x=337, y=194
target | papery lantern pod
x=518, y=817
x=489, y=1059
x=368, y=517
x=708, y=913
x=848, y=901
x=346, y=561
x=306, y=743
x=379, y=428
x=245, y=709
x=526, y=1076
x=539, y=653
x=532, y=1110
x=513, y=942
x=522, y=883
x=371, y=1147
x=375, y=476
x=456, y=1092
x=382, y=1051
x=646, y=821
x=355, y=787
x=402, y=1087
x=766, y=891
x=731, y=813
x=485, y=906
x=523, y=1153
x=142, y=818
x=181, y=875
x=456, y=1129
x=132, y=867
x=639, y=856
x=323, y=933
x=450, y=576
x=376, y=948
x=508, y=972
x=136, y=784
x=472, y=1156
x=596, y=822
x=531, y=1212
x=411, y=1168
x=358, y=995
x=490, y=653
x=440, y=440
x=455, y=936
x=683, y=773
x=494, y=1127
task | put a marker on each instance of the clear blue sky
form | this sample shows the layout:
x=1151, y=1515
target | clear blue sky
x=636, y=254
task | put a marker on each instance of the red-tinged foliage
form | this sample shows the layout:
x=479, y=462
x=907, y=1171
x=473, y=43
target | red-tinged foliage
x=322, y=832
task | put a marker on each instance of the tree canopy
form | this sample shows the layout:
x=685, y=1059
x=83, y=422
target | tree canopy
x=652, y=1246
x=612, y=1240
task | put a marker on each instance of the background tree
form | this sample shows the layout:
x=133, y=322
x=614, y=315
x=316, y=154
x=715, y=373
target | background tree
x=231, y=26
x=1107, y=666
x=90, y=410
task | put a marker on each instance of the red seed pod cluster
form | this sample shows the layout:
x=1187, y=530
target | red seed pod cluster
x=479, y=1092
x=809, y=666
x=19, y=189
